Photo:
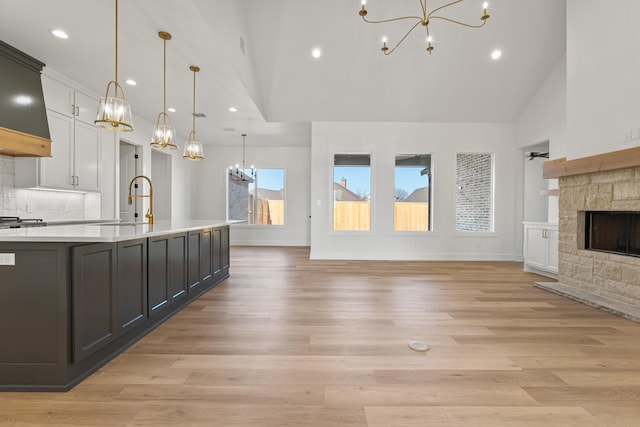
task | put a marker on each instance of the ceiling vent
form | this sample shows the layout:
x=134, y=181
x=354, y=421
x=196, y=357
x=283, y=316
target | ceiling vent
x=199, y=115
x=228, y=129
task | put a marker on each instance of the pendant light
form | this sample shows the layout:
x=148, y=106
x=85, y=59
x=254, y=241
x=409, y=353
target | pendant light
x=114, y=113
x=241, y=174
x=193, y=148
x=163, y=131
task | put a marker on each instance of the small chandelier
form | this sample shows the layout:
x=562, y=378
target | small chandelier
x=424, y=20
x=193, y=148
x=114, y=113
x=241, y=174
x=163, y=131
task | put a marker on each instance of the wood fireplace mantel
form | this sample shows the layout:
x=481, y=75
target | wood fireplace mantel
x=557, y=168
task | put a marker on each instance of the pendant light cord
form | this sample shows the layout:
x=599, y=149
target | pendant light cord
x=243, y=150
x=165, y=75
x=116, y=41
x=194, y=102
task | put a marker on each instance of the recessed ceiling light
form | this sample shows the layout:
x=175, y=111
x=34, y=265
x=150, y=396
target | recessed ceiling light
x=316, y=53
x=171, y=110
x=60, y=34
x=131, y=82
x=233, y=109
x=23, y=100
x=496, y=54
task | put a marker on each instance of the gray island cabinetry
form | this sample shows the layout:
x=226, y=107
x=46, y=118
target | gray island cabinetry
x=74, y=297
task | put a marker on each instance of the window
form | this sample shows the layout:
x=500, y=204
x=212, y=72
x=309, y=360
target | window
x=412, y=209
x=352, y=192
x=474, y=192
x=258, y=197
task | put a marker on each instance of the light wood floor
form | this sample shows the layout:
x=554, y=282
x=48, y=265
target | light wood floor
x=291, y=342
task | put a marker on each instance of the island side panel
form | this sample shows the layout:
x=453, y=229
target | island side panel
x=34, y=308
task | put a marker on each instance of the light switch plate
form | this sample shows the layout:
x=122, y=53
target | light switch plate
x=7, y=259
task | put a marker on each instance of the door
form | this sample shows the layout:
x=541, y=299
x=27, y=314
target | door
x=94, y=269
x=56, y=170
x=87, y=151
x=535, y=248
x=132, y=283
x=552, y=252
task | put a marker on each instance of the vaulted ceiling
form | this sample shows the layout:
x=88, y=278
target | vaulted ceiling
x=276, y=85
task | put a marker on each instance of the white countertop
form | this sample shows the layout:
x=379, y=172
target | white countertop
x=105, y=232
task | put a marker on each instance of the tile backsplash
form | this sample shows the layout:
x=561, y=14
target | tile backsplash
x=48, y=205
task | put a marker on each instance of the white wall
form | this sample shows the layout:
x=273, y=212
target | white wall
x=211, y=194
x=545, y=119
x=183, y=192
x=443, y=140
x=603, y=69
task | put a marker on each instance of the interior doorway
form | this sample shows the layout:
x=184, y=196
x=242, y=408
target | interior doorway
x=130, y=166
x=536, y=204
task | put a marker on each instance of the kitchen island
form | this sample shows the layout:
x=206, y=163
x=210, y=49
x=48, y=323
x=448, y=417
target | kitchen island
x=75, y=296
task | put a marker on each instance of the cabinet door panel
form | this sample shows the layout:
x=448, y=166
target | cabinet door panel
x=132, y=283
x=206, y=255
x=87, y=156
x=56, y=170
x=94, y=298
x=225, y=248
x=535, y=247
x=158, y=275
x=193, y=265
x=86, y=107
x=552, y=253
x=178, y=266
x=217, y=251
x=58, y=96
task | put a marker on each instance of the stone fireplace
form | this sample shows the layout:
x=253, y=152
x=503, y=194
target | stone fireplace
x=603, y=279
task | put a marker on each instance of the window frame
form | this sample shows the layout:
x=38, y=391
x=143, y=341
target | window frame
x=492, y=230
x=372, y=192
x=431, y=211
x=246, y=224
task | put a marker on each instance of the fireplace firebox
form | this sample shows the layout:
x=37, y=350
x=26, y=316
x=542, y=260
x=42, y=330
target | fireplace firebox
x=613, y=232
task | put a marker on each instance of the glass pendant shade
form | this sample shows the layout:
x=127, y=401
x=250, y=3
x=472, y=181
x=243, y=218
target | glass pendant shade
x=163, y=133
x=114, y=112
x=193, y=148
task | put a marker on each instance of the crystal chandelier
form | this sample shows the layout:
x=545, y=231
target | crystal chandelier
x=193, y=148
x=163, y=131
x=114, y=113
x=241, y=174
x=424, y=19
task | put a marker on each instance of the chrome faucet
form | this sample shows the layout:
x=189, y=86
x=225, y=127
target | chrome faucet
x=149, y=214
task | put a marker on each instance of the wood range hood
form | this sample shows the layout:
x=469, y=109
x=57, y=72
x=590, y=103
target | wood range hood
x=24, y=130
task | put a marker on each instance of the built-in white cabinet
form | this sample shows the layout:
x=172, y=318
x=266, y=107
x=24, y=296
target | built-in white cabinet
x=66, y=100
x=541, y=248
x=75, y=162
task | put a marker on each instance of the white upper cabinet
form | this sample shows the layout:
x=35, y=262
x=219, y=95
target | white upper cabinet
x=75, y=162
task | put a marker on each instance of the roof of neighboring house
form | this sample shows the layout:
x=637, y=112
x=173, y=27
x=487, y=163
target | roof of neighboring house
x=343, y=194
x=267, y=194
x=418, y=195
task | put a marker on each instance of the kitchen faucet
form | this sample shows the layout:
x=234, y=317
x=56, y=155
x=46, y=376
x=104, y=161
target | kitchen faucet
x=149, y=213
